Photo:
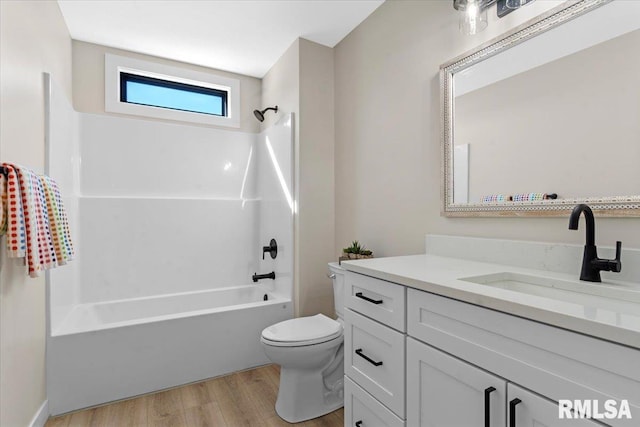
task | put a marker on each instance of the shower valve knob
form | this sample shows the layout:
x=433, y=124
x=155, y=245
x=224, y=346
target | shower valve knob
x=272, y=249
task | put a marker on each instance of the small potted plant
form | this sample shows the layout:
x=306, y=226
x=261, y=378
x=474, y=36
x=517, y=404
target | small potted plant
x=355, y=251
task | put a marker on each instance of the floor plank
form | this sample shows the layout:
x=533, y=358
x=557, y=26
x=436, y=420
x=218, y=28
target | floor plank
x=260, y=388
x=129, y=413
x=232, y=411
x=194, y=395
x=339, y=415
x=175, y=419
x=82, y=418
x=61, y=421
x=244, y=398
x=165, y=404
x=208, y=415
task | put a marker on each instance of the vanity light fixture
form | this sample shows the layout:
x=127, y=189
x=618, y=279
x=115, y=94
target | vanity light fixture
x=507, y=6
x=514, y=4
x=473, y=15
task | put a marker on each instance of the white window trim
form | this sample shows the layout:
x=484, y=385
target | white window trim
x=114, y=65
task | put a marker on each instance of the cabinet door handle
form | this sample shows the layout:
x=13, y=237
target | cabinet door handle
x=368, y=359
x=372, y=301
x=512, y=412
x=358, y=423
x=487, y=405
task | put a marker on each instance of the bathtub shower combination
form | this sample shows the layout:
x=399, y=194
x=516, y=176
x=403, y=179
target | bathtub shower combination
x=170, y=221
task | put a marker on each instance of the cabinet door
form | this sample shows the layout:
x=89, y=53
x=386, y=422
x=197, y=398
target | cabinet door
x=362, y=410
x=444, y=391
x=526, y=409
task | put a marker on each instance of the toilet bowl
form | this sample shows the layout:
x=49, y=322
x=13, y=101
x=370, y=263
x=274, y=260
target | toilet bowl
x=310, y=353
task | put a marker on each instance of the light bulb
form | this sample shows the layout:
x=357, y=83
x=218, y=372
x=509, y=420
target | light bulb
x=473, y=18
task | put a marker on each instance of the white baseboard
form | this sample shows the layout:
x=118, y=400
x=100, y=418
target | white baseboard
x=41, y=417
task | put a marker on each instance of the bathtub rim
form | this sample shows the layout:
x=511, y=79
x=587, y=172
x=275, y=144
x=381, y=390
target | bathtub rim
x=62, y=331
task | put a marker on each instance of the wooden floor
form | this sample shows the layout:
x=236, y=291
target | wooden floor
x=241, y=399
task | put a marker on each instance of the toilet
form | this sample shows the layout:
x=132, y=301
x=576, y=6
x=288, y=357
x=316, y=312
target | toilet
x=310, y=353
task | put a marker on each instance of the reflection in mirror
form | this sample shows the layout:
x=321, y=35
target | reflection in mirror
x=557, y=113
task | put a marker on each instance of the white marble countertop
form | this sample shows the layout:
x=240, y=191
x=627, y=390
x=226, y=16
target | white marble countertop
x=614, y=320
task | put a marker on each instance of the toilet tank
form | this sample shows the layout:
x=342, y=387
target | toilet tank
x=337, y=274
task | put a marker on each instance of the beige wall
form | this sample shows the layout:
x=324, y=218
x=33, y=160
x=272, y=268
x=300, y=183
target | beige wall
x=301, y=82
x=388, y=134
x=281, y=87
x=88, y=82
x=34, y=40
x=316, y=188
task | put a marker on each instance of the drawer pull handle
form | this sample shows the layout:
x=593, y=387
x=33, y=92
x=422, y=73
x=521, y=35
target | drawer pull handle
x=368, y=359
x=487, y=405
x=512, y=412
x=373, y=301
x=358, y=423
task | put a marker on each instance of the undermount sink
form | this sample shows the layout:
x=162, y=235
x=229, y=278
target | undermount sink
x=618, y=297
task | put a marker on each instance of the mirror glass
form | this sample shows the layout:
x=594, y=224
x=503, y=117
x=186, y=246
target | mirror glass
x=548, y=122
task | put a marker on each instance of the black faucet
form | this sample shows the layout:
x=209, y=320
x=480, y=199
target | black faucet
x=591, y=264
x=257, y=276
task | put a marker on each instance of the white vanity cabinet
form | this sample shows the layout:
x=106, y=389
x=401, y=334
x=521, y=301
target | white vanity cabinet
x=445, y=391
x=458, y=364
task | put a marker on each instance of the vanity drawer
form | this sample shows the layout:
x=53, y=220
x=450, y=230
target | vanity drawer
x=375, y=358
x=381, y=300
x=359, y=406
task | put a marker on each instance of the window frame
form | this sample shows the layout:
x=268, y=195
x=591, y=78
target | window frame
x=115, y=66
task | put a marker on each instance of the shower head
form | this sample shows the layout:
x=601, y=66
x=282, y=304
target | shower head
x=260, y=114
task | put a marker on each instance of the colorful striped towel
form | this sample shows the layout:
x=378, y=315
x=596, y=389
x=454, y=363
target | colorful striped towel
x=37, y=226
x=58, y=221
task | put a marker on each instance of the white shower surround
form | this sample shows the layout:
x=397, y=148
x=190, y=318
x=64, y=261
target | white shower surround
x=169, y=221
x=165, y=208
x=168, y=207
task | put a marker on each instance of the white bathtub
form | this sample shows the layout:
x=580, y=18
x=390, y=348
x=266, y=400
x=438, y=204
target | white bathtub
x=112, y=350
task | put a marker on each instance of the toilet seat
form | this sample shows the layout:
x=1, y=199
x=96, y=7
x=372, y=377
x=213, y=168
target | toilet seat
x=302, y=331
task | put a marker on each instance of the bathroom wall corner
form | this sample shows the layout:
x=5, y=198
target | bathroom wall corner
x=301, y=82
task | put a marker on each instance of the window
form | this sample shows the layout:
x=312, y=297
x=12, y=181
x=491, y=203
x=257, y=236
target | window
x=153, y=92
x=144, y=88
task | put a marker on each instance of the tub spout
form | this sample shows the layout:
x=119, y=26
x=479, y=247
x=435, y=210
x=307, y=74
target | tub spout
x=257, y=276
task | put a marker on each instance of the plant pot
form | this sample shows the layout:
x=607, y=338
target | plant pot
x=355, y=256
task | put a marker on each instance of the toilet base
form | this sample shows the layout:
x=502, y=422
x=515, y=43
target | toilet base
x=303, y=395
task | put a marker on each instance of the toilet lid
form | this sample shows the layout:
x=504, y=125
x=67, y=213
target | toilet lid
x=303, y=329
